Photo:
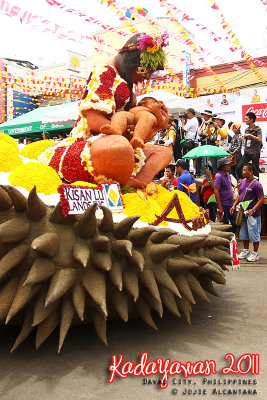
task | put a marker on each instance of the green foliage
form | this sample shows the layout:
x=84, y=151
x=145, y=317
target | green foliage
x=127, y=189
x=153, y=60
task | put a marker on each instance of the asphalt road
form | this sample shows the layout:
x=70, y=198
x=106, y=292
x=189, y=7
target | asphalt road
x=236, y=323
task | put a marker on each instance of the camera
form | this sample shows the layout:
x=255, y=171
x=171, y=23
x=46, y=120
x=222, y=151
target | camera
x=183, y=116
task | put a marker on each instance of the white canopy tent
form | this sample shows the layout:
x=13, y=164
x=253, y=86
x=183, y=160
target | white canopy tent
x=67, y=115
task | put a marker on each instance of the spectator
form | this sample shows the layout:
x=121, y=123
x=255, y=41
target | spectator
x=29, y=140
x=170, y=137
x=263, y=170
x=253, y=143
x=204, y=131
x=250, y=189
x=169, y=181
x=21, y=143
x=45, y=136
x=185, y=180
x=207, y=191
x=224, y=101
x=159, y=137
x=235, y=147
x=190, y=129
x=255, y=98
x=61, y=136
x=224, y=193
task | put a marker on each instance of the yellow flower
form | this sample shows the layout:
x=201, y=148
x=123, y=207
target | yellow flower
x=9, y=140
x=33, y=150
x=9, y=157
x=43, y=177
x=83, y=183
x=152, y=49
x=134, y=205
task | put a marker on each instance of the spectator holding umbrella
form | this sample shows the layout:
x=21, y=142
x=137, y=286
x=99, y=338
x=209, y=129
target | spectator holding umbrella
x=224, y=193
x=207, y=190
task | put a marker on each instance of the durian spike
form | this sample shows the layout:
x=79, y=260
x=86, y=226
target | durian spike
x=85, y=227
x=100, y=243
x=58, y=218
x=67, y=314
x=183, y=287
x=130, y=283
x=13, y=258
x=41, y=269
x=207, y=269
x=120, y=303
x=46, y=244
x=19, y=201
x=123, y=228
x=212, y=241
x=106, y=224
x=223, y=248
x=158, y=252
x=3, y=250
x=78, y=299
x=185, y=242
x=7, y=295
x=144, y=312
x=46, y=328
x=196, y=259
x=218, y=278
x=101, y=260
x=25, y=330
x=217, y=255
x=95, y=284
x=164, y=279
x=140, y=236
x=14, y=230
x=148, y=280
x=81, y=253
x=22, y=296
x=5, y=200
x=168, y=299
x=136, y=260
x=179, y=265
x=185, y=307
x=36, y=209
x=121, y=248
x=152, y=302
x=40, y=311
x=220, y=226
x=100, y=325
x=224, y=267
x=223, y=234
x=62, y=280
x=217, y=266
x=196, y=287
x=207, y=285
x=161, y=235
x=115, y=275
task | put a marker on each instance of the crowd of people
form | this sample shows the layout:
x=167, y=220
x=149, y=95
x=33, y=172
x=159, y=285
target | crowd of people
x=218, y=193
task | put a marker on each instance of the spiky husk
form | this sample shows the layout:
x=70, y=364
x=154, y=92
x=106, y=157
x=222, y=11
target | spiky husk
x=56, y=272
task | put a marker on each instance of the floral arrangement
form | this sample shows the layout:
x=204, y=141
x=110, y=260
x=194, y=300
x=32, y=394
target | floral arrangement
x=135, y=205
x=9, y=156
x=43, y=177
x=33, y=150
x=152, y=55
x=6, y=138
x=139, y=158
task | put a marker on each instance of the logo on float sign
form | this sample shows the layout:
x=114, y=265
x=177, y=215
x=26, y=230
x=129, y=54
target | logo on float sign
x=259, y=109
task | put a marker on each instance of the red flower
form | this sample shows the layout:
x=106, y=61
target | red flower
x=72, y=169
x=122, y=94
x=55, y=160
x=107, y=79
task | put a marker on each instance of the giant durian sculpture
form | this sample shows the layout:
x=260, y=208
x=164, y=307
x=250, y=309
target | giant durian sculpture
x=60, y=271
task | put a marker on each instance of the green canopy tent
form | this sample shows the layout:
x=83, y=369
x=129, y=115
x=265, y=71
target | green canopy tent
x=31, y=123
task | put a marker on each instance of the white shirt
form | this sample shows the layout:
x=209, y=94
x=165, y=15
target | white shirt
x=191, y=128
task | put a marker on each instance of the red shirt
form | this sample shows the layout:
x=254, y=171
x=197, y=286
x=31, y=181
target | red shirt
x=209, y=191
x=169, y=183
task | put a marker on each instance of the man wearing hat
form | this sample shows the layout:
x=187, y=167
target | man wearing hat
x=224, y=193
x=219, y=137
x=206, y=128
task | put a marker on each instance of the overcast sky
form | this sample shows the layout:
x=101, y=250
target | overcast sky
x=247, y=18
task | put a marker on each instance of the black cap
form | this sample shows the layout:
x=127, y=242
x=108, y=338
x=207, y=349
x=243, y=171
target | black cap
x=223, y=161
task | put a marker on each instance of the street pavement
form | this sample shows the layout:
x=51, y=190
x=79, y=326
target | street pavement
x=235, y=323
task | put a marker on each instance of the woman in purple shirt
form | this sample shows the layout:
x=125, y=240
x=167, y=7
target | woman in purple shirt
x=250, y=189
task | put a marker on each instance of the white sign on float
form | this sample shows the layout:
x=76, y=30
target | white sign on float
x=80, y=198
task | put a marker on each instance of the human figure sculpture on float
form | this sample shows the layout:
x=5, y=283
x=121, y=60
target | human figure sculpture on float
x=109, y=89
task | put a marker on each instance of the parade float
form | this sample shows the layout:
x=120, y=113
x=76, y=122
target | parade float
x=84, y=252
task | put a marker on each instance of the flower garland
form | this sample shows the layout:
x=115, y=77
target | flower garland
x=139, y=158
x=81, y=129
